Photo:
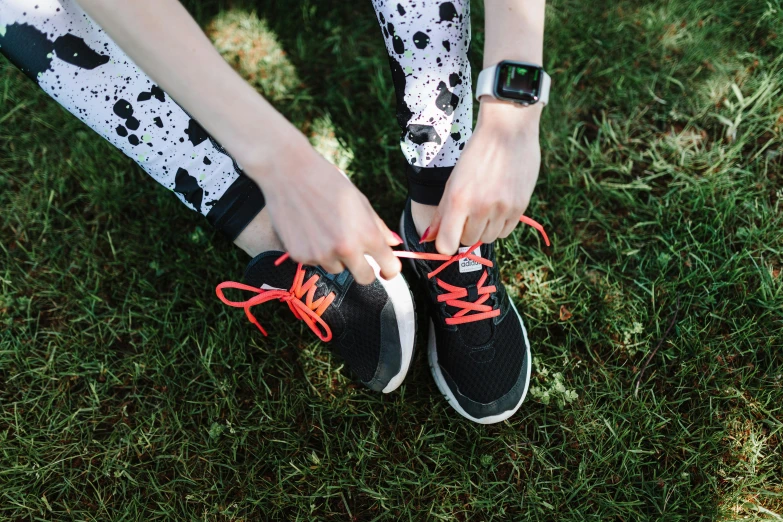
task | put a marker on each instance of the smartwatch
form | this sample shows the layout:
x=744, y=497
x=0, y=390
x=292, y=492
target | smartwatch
x=516, y=82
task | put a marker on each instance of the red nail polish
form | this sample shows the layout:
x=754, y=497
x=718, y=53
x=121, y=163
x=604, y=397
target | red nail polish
x=424, y=236
x=397, y=237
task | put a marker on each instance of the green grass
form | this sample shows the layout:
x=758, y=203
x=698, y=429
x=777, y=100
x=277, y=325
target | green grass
x=128, y=392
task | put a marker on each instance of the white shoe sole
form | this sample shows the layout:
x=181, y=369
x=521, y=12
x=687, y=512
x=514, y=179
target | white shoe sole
x=400, y=295
x=437, y=374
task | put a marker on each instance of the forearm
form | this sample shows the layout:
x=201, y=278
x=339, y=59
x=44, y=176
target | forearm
x=163, y=40
x=514, y=30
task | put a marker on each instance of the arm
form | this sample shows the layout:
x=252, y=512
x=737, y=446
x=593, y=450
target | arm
x=514, y=31
x=494, y=179
x=164, y=41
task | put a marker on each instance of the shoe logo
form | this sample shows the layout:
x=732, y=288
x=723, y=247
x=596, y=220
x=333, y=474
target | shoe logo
x=468, y=265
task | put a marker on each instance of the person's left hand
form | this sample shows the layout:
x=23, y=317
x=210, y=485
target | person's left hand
x=491, y=185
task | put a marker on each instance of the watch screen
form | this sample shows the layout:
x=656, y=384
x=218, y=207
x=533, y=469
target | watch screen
x=519, y=82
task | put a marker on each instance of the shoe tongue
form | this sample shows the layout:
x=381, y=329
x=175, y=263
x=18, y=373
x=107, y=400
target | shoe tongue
x=464, y=273
x=262, y=271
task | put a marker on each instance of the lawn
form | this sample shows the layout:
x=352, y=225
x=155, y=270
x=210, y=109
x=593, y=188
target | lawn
x=129, y=392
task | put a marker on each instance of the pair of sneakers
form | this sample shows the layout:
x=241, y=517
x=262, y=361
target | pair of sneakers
x=478, y=349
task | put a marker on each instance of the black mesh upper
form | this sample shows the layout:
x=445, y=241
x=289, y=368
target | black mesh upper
x=484, y=358
x=354, y=317
x=360, y=342
x=481, y=376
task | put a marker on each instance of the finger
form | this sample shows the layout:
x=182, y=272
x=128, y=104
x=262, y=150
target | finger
x=493, y=230
x=391, y=237
x=305, y=260
x=333, y=266
x=509, y=227
x=450, y=231
x=360, y=269
x=474, y=228
x=432, y=231
x=388, y=264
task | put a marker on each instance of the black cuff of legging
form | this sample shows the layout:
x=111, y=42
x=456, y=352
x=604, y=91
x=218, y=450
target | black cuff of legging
x=426, y=184
x=237, y=207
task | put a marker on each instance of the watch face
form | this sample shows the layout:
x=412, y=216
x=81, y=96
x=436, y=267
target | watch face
x=519, y=82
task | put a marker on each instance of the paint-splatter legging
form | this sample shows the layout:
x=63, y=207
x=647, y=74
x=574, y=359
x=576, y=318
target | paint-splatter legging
x=61, y=49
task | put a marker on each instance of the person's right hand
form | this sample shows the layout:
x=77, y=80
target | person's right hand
x=322, y=218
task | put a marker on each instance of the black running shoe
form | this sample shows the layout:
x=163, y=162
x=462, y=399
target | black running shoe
x=478, y=349
x=371, y=327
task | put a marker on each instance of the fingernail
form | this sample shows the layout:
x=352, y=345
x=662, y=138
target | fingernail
x=397, y=237
x=425, y=236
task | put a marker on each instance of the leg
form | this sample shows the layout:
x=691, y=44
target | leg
x=372, y=326
x=428, y=46
x=61, y=49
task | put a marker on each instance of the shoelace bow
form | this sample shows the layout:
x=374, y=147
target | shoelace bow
x=310, y=311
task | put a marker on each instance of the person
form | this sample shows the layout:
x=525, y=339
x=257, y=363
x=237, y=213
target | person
x=228, y=154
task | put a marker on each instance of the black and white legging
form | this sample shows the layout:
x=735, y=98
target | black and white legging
x=68, y=55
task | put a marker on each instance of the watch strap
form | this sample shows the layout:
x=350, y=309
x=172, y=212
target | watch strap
x=546, y=85
x=486, y=82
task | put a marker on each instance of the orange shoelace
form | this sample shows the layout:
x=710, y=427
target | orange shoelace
x=455, y=294
x=310, y=311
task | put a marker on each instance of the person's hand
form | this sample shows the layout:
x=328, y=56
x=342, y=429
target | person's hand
x=491, y=185
x=321, y=217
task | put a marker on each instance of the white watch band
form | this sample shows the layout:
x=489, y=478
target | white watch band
x=485, y=86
